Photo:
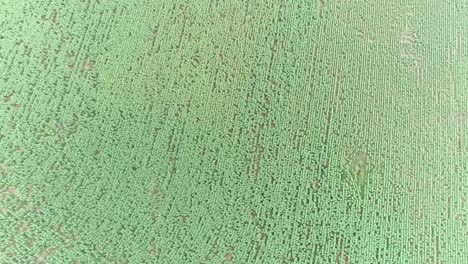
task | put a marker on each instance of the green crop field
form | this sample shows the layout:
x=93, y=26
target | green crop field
x=233, y=131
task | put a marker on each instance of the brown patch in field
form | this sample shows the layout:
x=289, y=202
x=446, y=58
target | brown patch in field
x=41, y=257
x=359, y=167
x=87, y=65
x=11, y=191
x=229, y=257
x=23, y=228
x=321, y=6
x=3, y=171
